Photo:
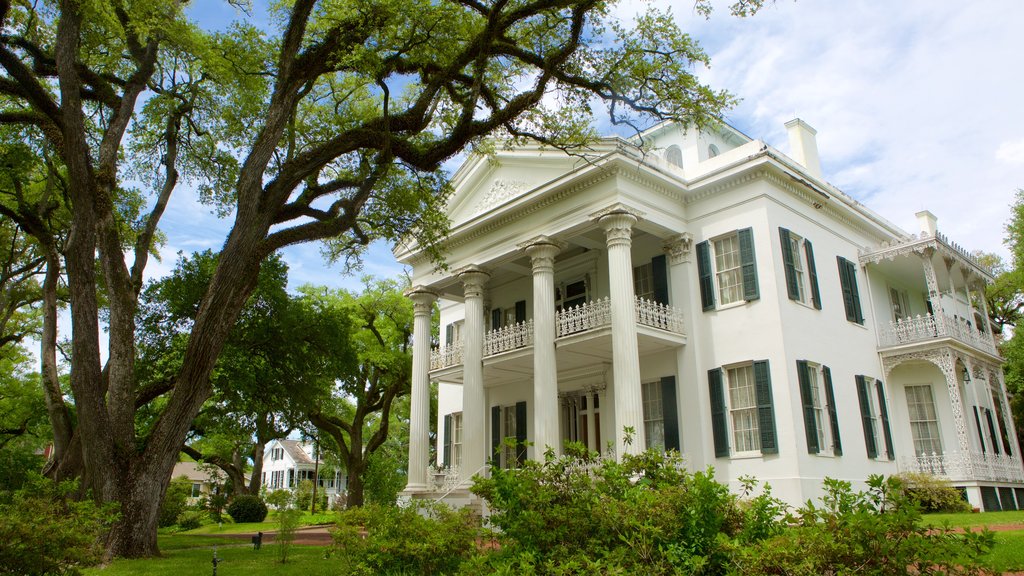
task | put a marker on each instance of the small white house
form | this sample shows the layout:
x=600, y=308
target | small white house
x=716, y=296
x=204, y=478
x=288, y=462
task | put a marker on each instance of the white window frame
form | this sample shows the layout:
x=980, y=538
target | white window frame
x=456, y=439
x=935, y=433
x=819, y=401
x=899, y=303
x=876, y=418
x=730, y=375
x=643, y=281
x=733, y=272
x=800, y=266
x=654, y=415
x=562, y=288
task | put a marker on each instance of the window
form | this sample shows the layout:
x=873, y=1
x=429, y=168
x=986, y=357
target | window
x=650, y=280
x=1001, y=418
x=900, y=304
x=654, y=415
x=508, y=423
x=277, y=454
x=924, y=424
x=727, y=269
x=502, y=317
x=674, y=155
x=801, y=273
x=582, y=420
x=277, y=479
x=197, y=489
x=744, y=416
x=819, y=408
x=851, y=295
x=570, y=294
x=874, y=416
x=453, y=333
x=712, y=151
x=452, y=453
x=643, y=281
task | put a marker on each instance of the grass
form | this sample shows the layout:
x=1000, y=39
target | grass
x=268, y=525
x=242, y=560
x=969, y=519
x=1008, y=554
x=169, y=542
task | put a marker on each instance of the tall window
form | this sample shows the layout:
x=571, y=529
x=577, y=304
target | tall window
x=457, y=438
x=743, y=409
x=674, y=155
x=654, y=415
x=571, y=294
x=851, y=294
x=508, y=428
x=801, y=274
x=727, y=269
x=924, y=424
x=900, y=304
x=818, y=400
x=875, y=417
x=643, y=281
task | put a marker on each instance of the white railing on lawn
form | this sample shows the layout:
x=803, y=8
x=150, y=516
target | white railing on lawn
x=657, y=315
x=586, y=316
x=971, y=466
x=508, y=338
x=927, y=327
x=450, y=355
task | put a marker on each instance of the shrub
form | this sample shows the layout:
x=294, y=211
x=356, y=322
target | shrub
x=174, y=502
x=44, y=530
x=304, y=495
x=872, y=532
x=190, y=520
x=287, y=522
x=247, y=508
x=427, y=540
x=214, y=504
x=280, y=499
x=932, y=493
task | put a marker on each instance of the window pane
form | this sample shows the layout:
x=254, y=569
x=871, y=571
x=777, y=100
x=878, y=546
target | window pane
x=743, y=409
x=727, y=269
x=796, y=248
x=924, y=425
x=654, y=415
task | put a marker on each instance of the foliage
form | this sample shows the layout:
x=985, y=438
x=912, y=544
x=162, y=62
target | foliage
x=175, y=501
x=247, y=508
x=385, y=477
x=287, y=523
x=280, y=499
x=931, y=493
x=214, y=503
x=428, y=540
x=190, y=520
x=873, y=532
x=44, y=530
x=304, y=494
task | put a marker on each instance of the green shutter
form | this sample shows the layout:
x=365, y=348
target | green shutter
x=812, y=273
x=857, y=312
x=449, y=334
x=865, y=415
x=520, y=311
x=844, y=282
x=719, y=427
x=830, y=397
x=446, y=455
x=884, y=412
x=765, y=409
x=748, y=265
x=792, y=287
x=670, y=413
x=981, y=436
x=495, y=318
x=806, y=400
x=659, y=277
x=520, y=433
x=707, y=285
x=496, y=435
x=992, y=431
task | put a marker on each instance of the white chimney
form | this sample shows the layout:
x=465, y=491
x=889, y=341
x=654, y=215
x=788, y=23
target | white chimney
x=928, y=222
x=803, y=146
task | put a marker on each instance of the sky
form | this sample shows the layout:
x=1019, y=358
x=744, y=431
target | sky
x=917, y=104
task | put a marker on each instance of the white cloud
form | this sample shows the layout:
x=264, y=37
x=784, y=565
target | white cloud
x=1011, y=152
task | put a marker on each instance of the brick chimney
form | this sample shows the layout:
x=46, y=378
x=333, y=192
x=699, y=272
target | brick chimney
x=803, y=146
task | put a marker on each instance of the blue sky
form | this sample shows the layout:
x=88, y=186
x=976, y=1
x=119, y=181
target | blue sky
x=917, y=104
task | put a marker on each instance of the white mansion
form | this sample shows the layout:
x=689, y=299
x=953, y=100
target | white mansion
x=716, y=297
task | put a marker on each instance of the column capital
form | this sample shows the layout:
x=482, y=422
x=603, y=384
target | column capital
x=617, y=208
x=473, y=279
x=678, y=247
x=617, y=221
x=542, y=251
x=422, y=299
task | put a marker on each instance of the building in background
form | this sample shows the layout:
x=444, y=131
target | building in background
x=288, y=462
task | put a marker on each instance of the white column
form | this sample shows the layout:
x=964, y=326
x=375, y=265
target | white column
x=934, y=295
x=542, y=253
x=474, y=408
x=618, y=227
x=679, y=248
x=419, y=410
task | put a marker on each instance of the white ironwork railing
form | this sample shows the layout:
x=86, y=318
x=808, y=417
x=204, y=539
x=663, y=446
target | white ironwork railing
x=450, y=355
x=586, y=316
x=508, y=338
x=970, y=466
x=657, y=315
x=921, y=328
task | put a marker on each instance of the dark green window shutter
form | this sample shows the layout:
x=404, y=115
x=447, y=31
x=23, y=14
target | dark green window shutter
x=495, y=318
x=792, y=289
x=992, y=431
x=830, y=397
x=707, y=284
x=981, y=435
x=765, y=409
x=520, y=433
x=670, y=412
x=520, y=311
x=449, y=334
x=865, y=414
x=812, y=274
x=719, y=427
x=851, y=294
x=884, y=411
x=748, y=264
x=446, y=455
x=806, y=397
x=496, y=434
x=659, y=277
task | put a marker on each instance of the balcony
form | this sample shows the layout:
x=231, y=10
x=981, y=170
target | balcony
x=586, y=318
x=971, y=466
x=927, y=328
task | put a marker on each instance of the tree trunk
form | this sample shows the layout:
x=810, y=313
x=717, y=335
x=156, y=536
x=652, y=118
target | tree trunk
x=134, y=535
x=56, y=409
x=354, y=497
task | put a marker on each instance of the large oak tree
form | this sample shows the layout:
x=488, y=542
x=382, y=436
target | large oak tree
x=331, y=125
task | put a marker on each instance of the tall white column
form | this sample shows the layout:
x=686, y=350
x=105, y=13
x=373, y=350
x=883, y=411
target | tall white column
x=419, y=410
x=618, y=227
x=542, y=253
x=474, y=407
x=934, y=294
x=678, y=248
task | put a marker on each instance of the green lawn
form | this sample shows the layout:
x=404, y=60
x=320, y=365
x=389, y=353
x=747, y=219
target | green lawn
x=975, y=519
x=238, y=560
x=268, y=525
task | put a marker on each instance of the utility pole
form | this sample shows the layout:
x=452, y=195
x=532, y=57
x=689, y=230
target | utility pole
x=316, y=471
